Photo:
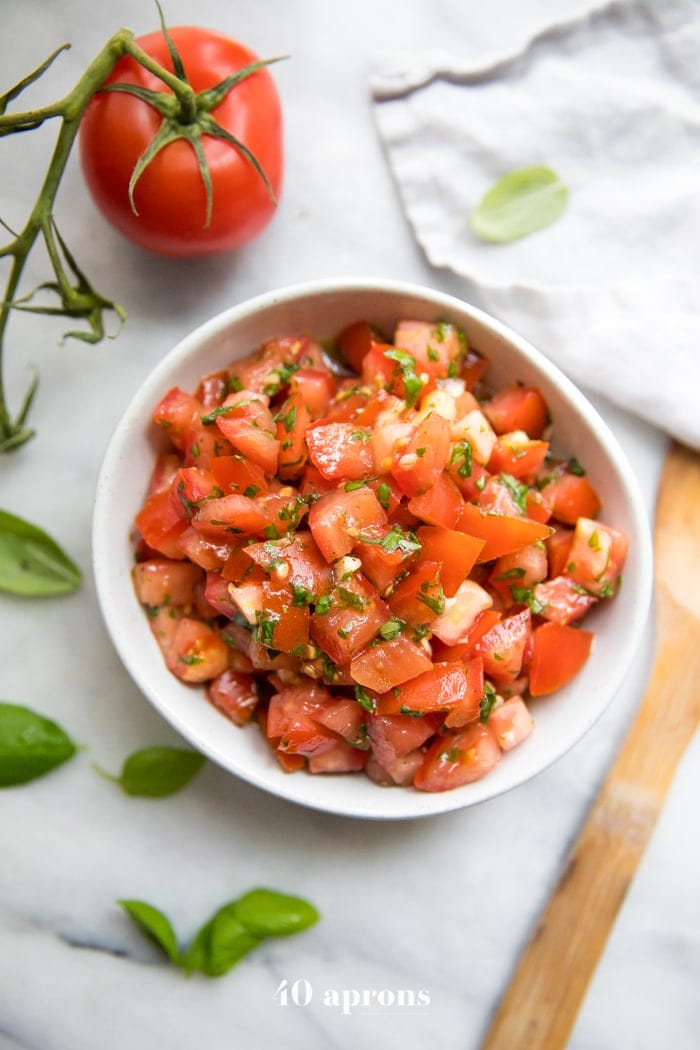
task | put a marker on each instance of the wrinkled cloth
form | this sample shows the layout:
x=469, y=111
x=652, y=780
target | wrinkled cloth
x=611, y=102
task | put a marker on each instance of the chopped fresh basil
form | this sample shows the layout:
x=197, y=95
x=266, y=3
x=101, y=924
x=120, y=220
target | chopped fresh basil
x=392, y=628
x=365, y=699
x=384, y=495
x=487, y=702
x=574, y=467
x=462, y=454
x=323, y=604
x=517, y=489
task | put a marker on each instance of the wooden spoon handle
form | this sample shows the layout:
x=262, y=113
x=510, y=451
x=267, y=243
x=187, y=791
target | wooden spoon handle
x=540, y=1006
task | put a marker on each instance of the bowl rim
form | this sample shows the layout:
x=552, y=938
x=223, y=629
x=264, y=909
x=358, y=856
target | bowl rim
x=425, y=804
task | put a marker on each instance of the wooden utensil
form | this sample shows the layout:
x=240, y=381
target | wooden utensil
x=540, y=1005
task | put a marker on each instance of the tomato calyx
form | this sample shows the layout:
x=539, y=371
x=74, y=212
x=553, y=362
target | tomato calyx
x=187, y=115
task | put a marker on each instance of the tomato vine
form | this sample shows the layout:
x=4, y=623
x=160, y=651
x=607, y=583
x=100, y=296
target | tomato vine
x=184, y=114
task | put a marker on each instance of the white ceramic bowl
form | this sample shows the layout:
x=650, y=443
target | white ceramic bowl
x=322, y=309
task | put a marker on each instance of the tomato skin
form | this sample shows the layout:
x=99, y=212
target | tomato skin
x=458, y=758
x=337, y=518
x=170, y=197
x=235, y=695
x=558, y=654
x=518, y=408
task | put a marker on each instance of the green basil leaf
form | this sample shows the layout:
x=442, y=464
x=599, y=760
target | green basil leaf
x=267, y=913
x=31, y=563
x=155, y=925
x=155, y=772
x=30, y=745
x=220, y=943
x=520, y=203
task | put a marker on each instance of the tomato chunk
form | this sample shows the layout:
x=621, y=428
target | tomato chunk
x=502, y=534
x=389, y=664
x=558, y=654
x=511, y=722
x=458, y=758
x=337, y=519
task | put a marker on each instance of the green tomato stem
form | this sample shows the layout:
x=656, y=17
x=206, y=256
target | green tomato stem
x=69, y=110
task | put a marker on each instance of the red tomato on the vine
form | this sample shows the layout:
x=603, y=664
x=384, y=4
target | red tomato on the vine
x=170, y=196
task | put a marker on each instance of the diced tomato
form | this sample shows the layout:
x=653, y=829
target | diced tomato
x=456, y=552
x=440, y=505
x=356, y=341
x=518, y=408
x=289, y=763
x=418, y=466
x=161, y=524
x=458, y=758
x=596, y=557
x=235, y=694
x=212, y=389
x=290, y=718
x=296, y=560
x=390, y=663
x=383, y=555
x=503, y=647
x=571, y=496
x=292, y=420
x=460, y=613
x=562, y=600
x=419, y=598
x=475, y=430
x=353, y=618
x=469, y=708
x=316, y=388
x=558, y=546
x=472, y=368
x=167, y=466
x=558, y=654
x=230, y=516
x=511, y=722
x=341, y=758
x=346, y=718
x=400, y=771
x=282, y=624
x=179, y=414
x=518, y=455
x=502, y=534
x=518, y=572
x=165, y=582
x=341, y=451
x=268, y=369
x=436, y=348
x=197, y=653
x=218, y=594
x=163, y=623
x=246, y=422
x=537, y=506
x=441, y=688
x=234, y=474
x=393, y=736
x=337, y=519
x=203, y=552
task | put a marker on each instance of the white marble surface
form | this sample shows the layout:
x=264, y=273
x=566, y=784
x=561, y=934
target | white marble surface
x=442, y=905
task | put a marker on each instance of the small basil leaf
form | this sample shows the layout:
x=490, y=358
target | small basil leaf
x=155, y=925
x=267, y=913
x=520, y=203
x=31, y=563
x=30, y=745
x=155, y=772
x=219, y=944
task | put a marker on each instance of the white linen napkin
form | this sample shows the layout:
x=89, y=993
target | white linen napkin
x=611, y=102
